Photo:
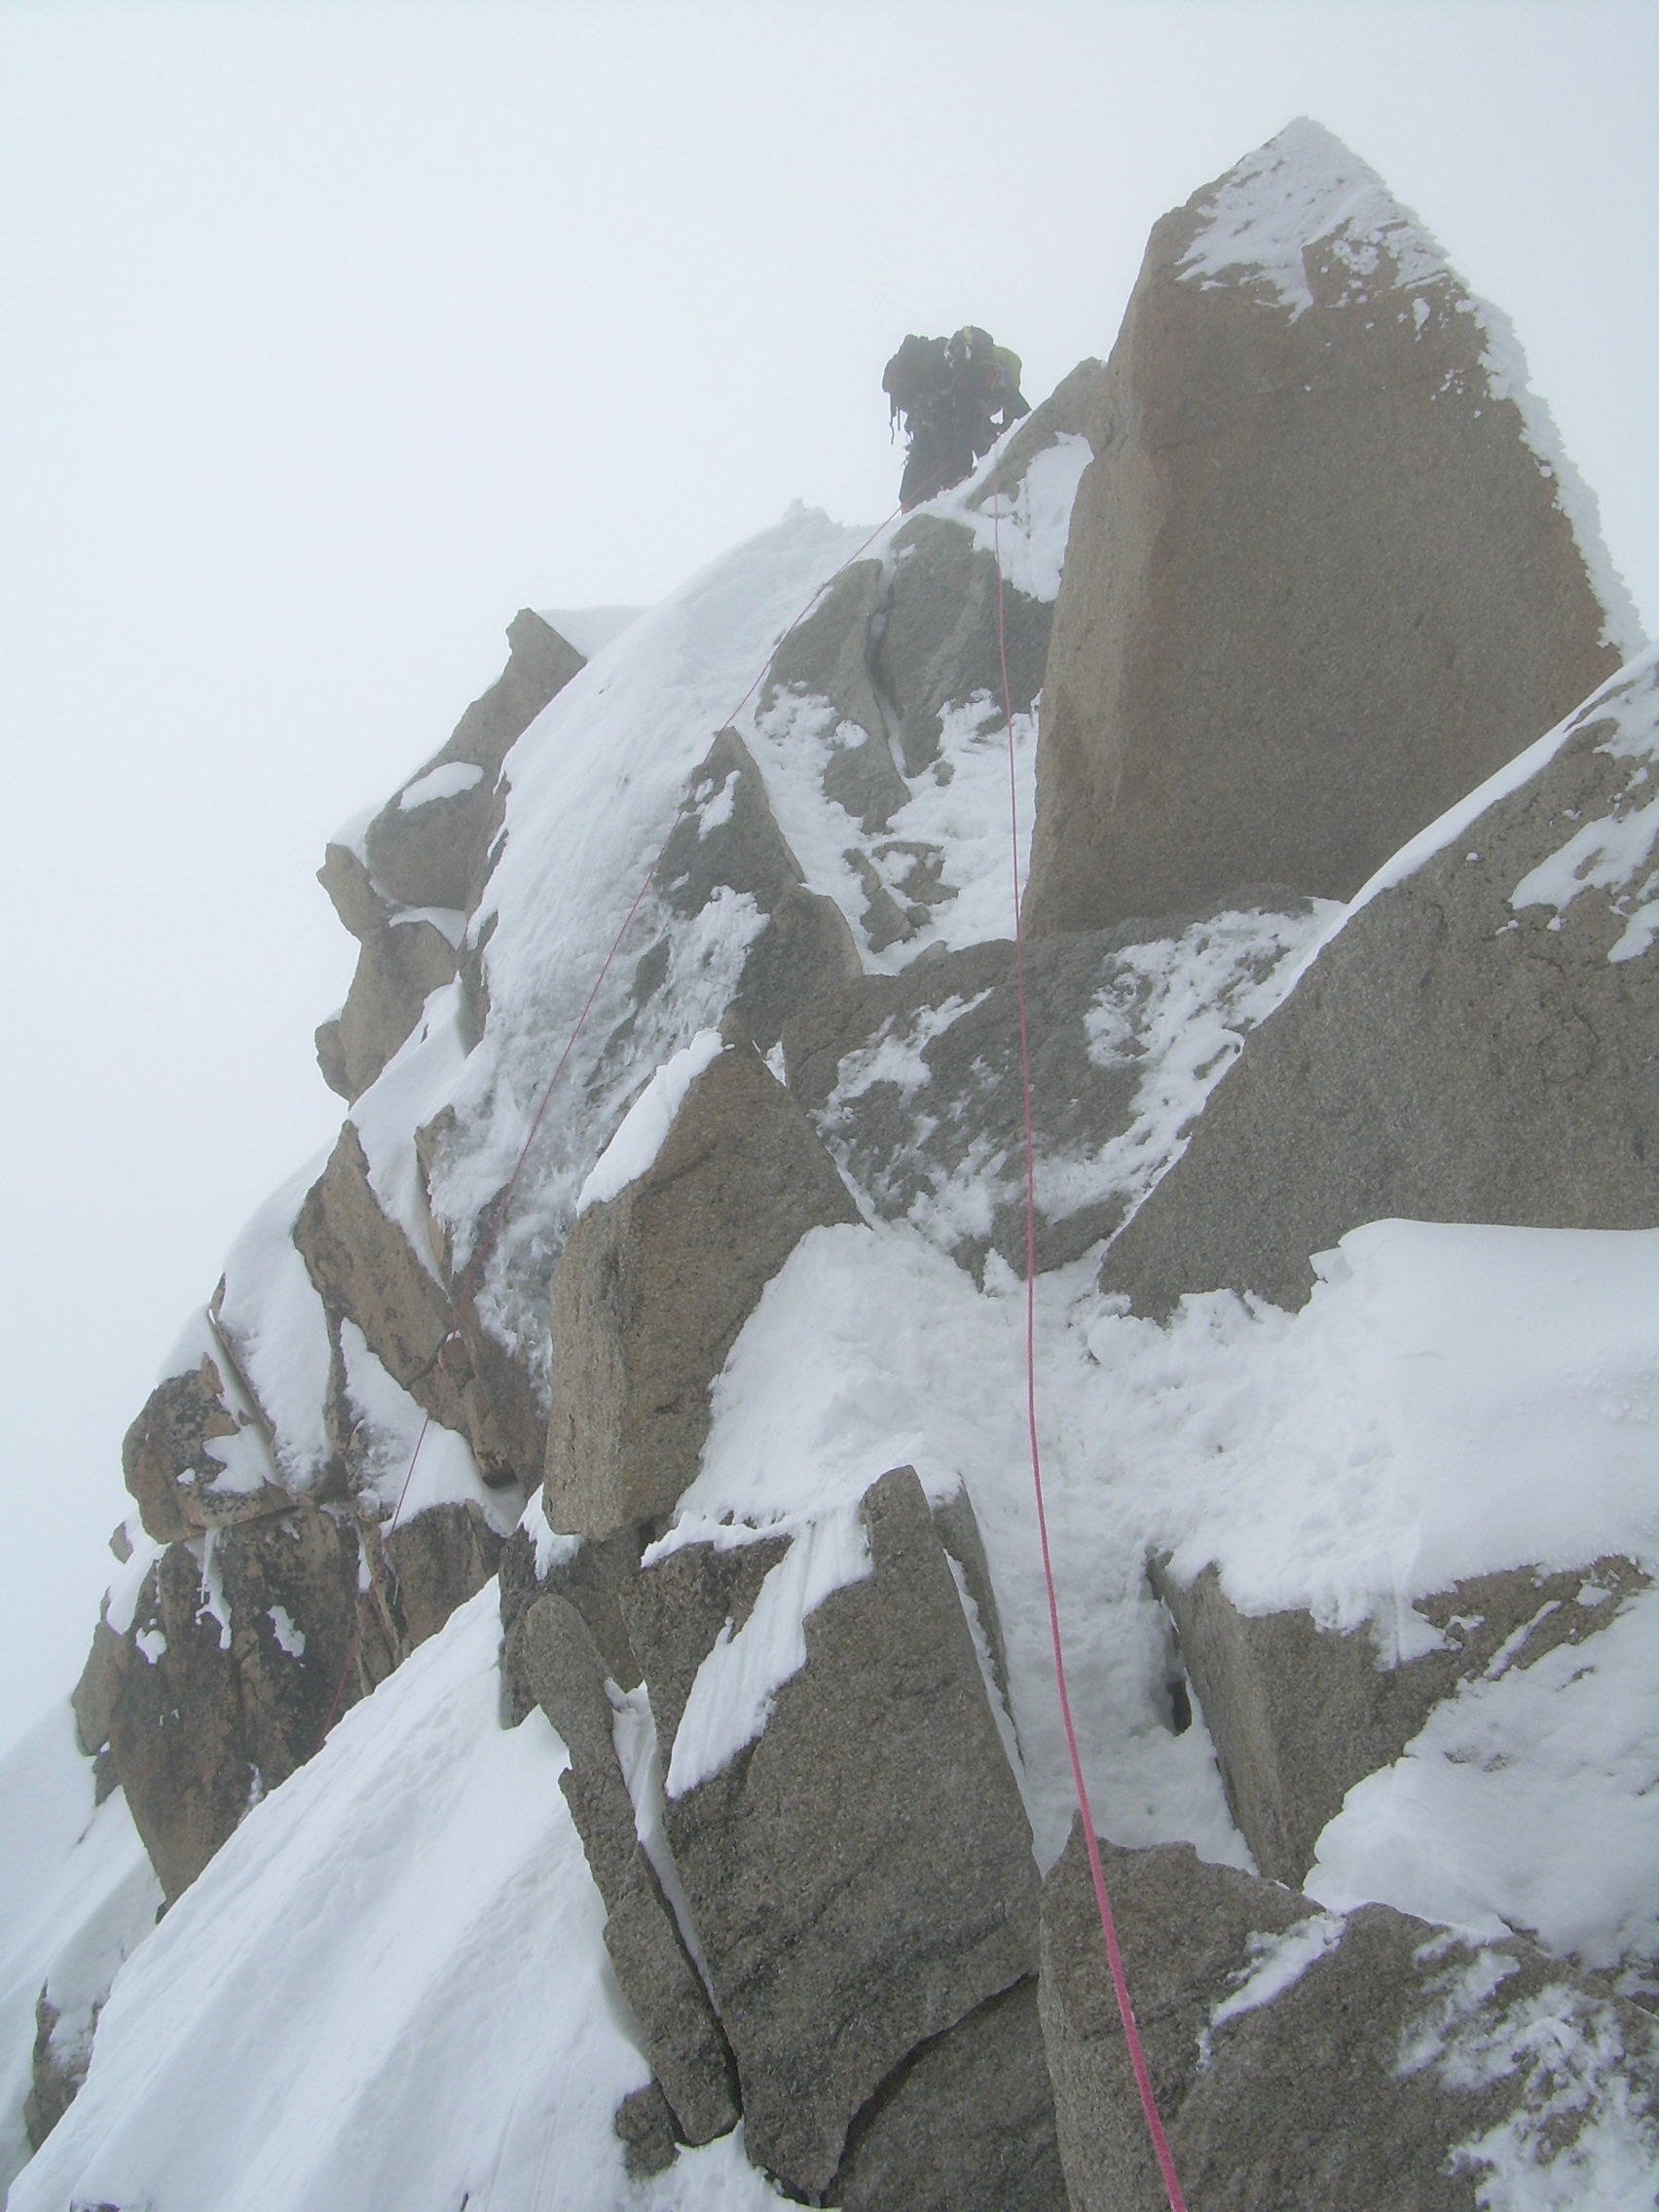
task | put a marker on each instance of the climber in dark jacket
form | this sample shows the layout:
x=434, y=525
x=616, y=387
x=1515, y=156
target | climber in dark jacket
x=953, y=395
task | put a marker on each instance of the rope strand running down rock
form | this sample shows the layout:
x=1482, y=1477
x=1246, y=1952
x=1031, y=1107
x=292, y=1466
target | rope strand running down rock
x=1107, y=1926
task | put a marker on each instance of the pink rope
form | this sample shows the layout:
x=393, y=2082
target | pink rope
x=1107, y=1926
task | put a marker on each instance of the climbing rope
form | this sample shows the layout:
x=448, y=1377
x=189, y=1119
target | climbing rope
x=1107, y=1926
x=496, y=1214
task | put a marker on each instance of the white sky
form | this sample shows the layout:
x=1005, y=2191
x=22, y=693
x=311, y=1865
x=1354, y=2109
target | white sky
x=330, y=336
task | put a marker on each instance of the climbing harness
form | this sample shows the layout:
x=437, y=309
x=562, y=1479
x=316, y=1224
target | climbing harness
x=1107, y=1926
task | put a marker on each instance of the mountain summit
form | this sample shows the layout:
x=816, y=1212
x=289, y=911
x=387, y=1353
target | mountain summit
x=578, y=1676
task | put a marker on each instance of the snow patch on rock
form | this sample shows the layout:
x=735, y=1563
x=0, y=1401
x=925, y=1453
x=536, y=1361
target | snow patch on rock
x=632, y=1152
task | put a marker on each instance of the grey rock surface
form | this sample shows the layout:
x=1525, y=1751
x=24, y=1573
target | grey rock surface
x=555, y=1657
x=861, y=1876
x=967, y=2124
x=654, y=1285
x=438, y=1559
x=211, y=1709
x=56, y=2073
x=237, y=1658
x=434, y=855
x=675, y=1607
x=914, y=1081
x=1372, y=2065
x=169, y=1464
x=1317, y=585
x=1452, y=1055
x=364, y=1266
x=645, y=2127
x=1299, y=1714
x=594, y=1575
x=806, y=948
x=400, y=962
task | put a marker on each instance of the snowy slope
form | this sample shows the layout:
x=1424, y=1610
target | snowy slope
x=397, y=1961
x=78, y=1897
x=389, y=1989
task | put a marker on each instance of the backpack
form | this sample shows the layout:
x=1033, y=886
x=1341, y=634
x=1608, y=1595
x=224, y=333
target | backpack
x=918, y=375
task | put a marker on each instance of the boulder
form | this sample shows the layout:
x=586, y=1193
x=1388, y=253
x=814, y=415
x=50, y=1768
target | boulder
x=654, y=1285
x=644, y=2128
x=676, y=1611
x=594, y=1575
x=401, y=962
x=1321, y=578
x=557, y=1658
x=438, y=1560
x=730, y=841
x=861, y=1875
x=965, y=2125
x=1299, y=1714
x=365, y=1267
x=245, y=1643
x=1375, y=2064
x=914, y=1081
x=405, y=890
x=1477, y=1044
x=235, y=1656
x=181, y=1483
x=429, y=846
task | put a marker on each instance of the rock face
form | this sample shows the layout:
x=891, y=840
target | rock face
x=405, y=892
x=861, y=1876
x=914, y=1081
x=1368, y=2065
x=555, y=1657
x=1299, y=1714
x=806, y=948
x=654, y=1285
x=1320, y=582
x=1477, y=1044
x=967, y=2125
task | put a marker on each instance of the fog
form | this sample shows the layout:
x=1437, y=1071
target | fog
x=330, y=336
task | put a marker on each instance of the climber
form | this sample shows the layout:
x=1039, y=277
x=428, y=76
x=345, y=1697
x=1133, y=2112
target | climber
x=949, y=394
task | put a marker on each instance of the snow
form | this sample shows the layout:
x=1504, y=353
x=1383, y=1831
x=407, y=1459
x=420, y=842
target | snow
x=290, y=1637
x=408, y=1459
x=1452, y=1401
x=77, y=1895
x=1528, y=1800
x=448, y=780
x=1304, y=188
x=1029, y=529
x=632, y=1152
x=271, y=1317
x=449, y=922
x=590, y=629
x=1629, y=701
x=1571, y=2139
x=596, y=783
x=1180, y=1008
x=1277, y=1963
x=736, y=1686
x=240, y=1463
x=409, y=1090
x=421, y=1868
x=551, y=1549
x=1300, y=188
